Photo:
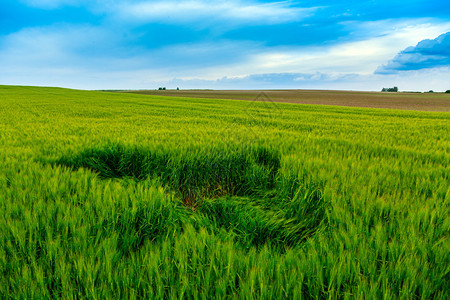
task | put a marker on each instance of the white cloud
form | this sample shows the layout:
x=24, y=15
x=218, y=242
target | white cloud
x=426, y=54
x=65, y=55
x=411, y=81
x=362, y=57
x=204, y=11
x=52, y=4
x=50, y=46
x=68, y=55
x=194, y=12
x=98, y=57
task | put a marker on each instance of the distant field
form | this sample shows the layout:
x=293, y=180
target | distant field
x=405, y=101
x=125, y=196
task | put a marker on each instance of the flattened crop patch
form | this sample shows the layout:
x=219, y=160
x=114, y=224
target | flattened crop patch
x=225, y=187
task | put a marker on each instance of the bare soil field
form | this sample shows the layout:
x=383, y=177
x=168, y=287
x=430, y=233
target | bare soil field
x=404, y=101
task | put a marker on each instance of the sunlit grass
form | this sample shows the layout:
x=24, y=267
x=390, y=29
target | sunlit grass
x=109, y=195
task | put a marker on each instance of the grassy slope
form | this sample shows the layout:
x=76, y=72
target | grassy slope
x=376, y=182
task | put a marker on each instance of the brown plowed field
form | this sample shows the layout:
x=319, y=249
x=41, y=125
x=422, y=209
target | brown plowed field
x=406, y=101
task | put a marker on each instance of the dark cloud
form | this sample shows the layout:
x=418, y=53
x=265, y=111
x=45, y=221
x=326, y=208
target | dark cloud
x=426, y=55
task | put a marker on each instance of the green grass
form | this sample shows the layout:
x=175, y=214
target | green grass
x=107, y=195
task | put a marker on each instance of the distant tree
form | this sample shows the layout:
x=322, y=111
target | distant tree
x=394, y=89
x=178, y=88
x=162, y=89
x=447, y=91
x=430, y=91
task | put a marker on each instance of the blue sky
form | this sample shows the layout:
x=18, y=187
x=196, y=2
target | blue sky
x=234, y=44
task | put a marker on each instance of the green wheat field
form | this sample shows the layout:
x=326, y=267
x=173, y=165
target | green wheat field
x=111, y=195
